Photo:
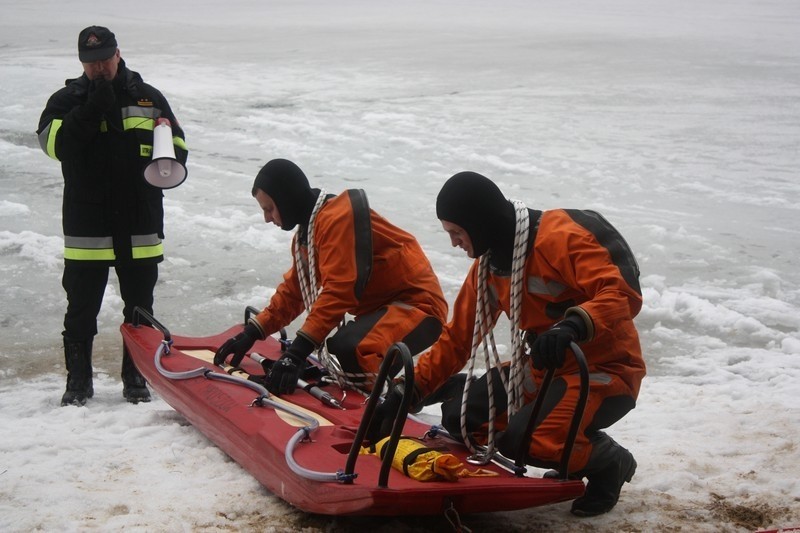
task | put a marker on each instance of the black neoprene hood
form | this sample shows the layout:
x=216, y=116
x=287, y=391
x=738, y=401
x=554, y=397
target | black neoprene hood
x=288, y=187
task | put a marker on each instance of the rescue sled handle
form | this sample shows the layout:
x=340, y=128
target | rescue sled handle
x=284, y=339
x=250, y=310
x=580, y=407
x=397, y=349
x=149, y=320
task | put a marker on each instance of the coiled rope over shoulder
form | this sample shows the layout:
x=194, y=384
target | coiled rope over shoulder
x=519, y=367
x=306, y=271
x=482, y=334
x=310, y=289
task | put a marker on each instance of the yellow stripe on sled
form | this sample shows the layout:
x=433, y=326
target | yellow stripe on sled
x=208, y=357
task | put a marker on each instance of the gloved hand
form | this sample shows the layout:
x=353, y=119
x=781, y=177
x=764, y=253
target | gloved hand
x=238, y=345
x=549, y=349
x=101, y=96
x=386, y=412
x=283, y=376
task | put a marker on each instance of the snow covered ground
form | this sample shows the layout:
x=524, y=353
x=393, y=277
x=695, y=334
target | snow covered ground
x=678, y=120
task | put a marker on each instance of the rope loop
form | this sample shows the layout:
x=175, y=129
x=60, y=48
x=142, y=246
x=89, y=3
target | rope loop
x=452, y=516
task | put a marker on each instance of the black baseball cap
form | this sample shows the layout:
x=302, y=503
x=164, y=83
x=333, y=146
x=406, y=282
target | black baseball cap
x=96, y=43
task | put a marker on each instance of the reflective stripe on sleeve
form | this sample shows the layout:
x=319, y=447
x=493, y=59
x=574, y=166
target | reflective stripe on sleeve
x=180, y=143
x=47, y=139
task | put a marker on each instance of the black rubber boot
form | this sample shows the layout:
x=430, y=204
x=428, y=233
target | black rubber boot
x=609, y=467
x=134, y=387
x=78, y=358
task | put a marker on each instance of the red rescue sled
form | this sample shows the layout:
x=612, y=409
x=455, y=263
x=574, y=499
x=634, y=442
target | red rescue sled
x=256, y=435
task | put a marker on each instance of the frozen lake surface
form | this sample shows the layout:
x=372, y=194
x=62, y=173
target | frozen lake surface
x=679, y=122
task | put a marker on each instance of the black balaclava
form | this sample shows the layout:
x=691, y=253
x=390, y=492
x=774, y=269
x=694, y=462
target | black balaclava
x=475, y=203
x=288, y=187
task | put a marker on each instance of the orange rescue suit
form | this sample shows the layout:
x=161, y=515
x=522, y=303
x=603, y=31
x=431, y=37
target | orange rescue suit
x=354, y=280
x=568, y=270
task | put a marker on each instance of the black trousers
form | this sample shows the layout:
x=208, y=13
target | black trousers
x=415, y=328
x=85, y=286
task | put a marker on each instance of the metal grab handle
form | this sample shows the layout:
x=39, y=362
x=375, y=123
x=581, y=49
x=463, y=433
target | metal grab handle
x=249, y=310
x=390, y=447
x=577, y=416
x=139, y=313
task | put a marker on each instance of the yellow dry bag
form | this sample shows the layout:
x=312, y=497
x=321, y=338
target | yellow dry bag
x=419, y=462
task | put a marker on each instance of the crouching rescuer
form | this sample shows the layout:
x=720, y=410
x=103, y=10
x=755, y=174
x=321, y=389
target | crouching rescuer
x=561, y=276
x=347, y=261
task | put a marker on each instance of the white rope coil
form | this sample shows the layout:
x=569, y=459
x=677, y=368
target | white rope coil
x=482, y=334
x=519, y=367
x=310, y=289
x=307, y=271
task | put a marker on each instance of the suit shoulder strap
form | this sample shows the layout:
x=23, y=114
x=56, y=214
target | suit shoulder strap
x=362, y=225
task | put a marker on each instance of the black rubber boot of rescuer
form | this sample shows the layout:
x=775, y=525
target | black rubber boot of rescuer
x=134, y=386
x=610, y=466
x=78, y=358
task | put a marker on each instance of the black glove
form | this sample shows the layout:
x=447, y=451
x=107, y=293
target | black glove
x=101, y=97
x=386, y=412
x=549, y=349
x=238, y=345
x=283, y=376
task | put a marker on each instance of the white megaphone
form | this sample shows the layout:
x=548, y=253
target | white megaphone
x=164, y=172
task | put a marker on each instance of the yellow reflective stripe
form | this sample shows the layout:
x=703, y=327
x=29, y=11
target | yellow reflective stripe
x=145, y=252
x=180, y=143
x=101, y=248
x=138, y=118
x=51, y=138
x=47, y=138
x=107, y=254
x=86, y=254
x=140, y=123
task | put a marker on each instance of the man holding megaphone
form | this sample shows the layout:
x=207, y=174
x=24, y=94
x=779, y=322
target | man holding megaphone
x=100, y=127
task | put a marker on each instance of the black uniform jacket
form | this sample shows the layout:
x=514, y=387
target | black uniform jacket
x=111, y=215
